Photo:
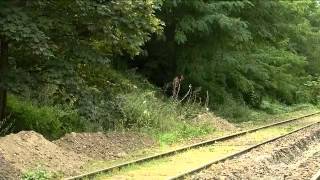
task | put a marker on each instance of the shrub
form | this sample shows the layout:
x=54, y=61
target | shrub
x=51, y=121
x=233, y=110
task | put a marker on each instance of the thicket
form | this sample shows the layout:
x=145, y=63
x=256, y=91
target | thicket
x=242, y=52
x=83, y=65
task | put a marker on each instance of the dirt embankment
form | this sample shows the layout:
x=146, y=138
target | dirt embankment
x=28, y=150
x=101, y=146
x=293, y=157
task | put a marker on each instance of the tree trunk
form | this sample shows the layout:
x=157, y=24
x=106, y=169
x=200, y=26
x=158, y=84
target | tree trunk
x=3, y=70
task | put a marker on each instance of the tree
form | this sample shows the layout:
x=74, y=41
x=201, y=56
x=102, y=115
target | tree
x=17, y=28
x=3, y=70
x=245, y=51
x=66, y=34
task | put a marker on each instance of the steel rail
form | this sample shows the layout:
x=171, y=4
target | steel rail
x=182, y=149
x=207, y=165
x=316, y=176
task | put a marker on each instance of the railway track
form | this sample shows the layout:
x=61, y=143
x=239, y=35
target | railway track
x=316, y=176
x=178, y=151
x=190, y=172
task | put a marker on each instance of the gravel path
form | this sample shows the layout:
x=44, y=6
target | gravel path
x=296, y=156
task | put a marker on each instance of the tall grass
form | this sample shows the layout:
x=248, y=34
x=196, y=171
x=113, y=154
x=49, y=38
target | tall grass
x=164, y=118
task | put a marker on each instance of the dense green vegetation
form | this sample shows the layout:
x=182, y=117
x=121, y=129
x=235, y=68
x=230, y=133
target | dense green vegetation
x=240, y=51
x=107, y=64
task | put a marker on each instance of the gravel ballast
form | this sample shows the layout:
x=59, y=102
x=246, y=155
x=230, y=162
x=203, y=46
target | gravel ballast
x=293, y=157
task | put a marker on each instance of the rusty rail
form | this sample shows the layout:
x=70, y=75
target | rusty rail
x=316, y=176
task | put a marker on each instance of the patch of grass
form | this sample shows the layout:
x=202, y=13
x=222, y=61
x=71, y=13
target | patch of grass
x=277, y=110
x=38, y=174
x=239, y=113
x=183, y=131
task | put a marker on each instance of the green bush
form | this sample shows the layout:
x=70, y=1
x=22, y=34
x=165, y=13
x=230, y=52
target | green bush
x=52, y=122
x=273, y=107
x=233, y=110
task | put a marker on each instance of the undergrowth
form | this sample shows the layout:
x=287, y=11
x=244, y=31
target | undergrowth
x=238, y=113
x=51, y=121
x=114, y=100
x=128, y=102
x=39, y=173
x=166, y=119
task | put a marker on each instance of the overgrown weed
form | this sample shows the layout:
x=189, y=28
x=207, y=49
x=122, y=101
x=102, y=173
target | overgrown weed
x=40, y=173
x=167, y=119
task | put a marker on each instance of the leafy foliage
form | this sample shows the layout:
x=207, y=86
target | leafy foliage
x=53, y=47
x=72, y=60
x=240, y=51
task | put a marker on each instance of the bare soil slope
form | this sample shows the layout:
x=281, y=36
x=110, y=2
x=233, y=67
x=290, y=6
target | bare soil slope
x=7, y=171
x=101, y=146
x=29, y=150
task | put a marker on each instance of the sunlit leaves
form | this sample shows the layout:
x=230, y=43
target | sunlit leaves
x=202, y=18
x=18, y=28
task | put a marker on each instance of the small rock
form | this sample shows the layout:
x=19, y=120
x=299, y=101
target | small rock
x=121, y=154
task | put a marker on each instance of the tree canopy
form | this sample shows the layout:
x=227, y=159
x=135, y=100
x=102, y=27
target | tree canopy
x=245, y=51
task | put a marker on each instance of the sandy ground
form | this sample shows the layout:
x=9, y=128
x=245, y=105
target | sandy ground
x=294, y=157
